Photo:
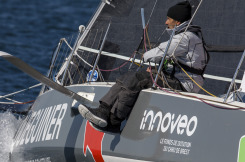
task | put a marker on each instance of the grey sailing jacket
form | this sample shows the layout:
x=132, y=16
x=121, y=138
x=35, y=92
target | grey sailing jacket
x=190, y=52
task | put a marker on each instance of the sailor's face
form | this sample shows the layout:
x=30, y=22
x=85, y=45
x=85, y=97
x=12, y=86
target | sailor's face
x=171, y=23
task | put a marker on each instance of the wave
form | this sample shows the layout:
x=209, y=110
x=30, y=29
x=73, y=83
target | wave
x=8, y=127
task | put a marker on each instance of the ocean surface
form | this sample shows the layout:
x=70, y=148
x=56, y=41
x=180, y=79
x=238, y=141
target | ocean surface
x=30, y=30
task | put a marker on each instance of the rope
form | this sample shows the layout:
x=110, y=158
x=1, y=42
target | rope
x=148, y=39
x=17, y=102
x=196, y=82
x=12, y=100
x=25, y=102
x=67, y=43
x=1, y=97
x=201, y=99
x=153, y=8
x=126, y=62
x=145, y=38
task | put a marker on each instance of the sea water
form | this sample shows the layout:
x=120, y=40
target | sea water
x=31, y=30
x=8, y=126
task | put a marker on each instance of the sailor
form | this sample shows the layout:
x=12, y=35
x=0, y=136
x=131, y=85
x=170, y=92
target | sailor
x=190, y=54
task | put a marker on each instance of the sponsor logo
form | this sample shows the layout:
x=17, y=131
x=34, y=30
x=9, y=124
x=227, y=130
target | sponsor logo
x=94, y=77
x=42, y=125
x=241, y=150
x=180, y=124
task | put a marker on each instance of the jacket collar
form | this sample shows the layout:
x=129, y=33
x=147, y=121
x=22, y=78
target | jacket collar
x=181, y=28
x=178, y=29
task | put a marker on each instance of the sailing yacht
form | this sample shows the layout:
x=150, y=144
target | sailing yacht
x=164, y=125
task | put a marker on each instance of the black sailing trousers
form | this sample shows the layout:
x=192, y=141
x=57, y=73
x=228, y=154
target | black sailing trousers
x=122, y=96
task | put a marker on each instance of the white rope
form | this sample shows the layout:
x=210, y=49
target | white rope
x=66, y=43
x=83, y=60
x=152, y=12
x=12, y=100
x=5, y=96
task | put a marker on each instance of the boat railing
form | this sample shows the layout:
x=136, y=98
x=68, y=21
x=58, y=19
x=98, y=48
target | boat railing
x=71, y=65
x=62, y=58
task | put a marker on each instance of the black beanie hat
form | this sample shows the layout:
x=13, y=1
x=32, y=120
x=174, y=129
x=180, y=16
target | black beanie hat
x=180, y=12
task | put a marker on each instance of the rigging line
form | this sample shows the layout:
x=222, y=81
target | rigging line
x=62, y=55
x=71, y=58
x=67, y=43
x=20, y=91
x=100, y=40
x=58, y=60
x=99, y=53
x=121, y=65
x=89, y=51
x=107, y=69
x=148, y=39
x=100, y=45
x=86, y=43
x=156, y=83
x=145, y=39
x=64, y=39
x=195, y=81
x=11, y=100
x=145, y=30
x=78, y=72
x=22, y=103
x=54, y=63
x=83, y=60
x=158, y=40
x=191, y=77
x=201, y=99
x=91, y=22
x=94, y=40
x=151, y=13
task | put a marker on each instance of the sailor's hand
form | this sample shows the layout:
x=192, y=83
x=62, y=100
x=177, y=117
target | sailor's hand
x=148, y=69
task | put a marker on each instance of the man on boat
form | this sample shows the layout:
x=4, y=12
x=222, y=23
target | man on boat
x=186, y=50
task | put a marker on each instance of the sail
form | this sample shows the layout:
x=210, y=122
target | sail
x=220, y=20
